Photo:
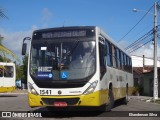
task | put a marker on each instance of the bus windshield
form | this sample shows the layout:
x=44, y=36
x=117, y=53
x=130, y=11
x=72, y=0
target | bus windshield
x=62, y=60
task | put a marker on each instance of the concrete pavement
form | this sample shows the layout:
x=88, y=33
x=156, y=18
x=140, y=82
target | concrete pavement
x=143, y=98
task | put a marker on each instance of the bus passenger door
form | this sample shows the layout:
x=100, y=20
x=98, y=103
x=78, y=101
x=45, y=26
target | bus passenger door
x=9, y=76
x=102, y=57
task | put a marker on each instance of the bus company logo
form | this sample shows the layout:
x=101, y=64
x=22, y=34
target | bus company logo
x=6, y=114
x=59, y=92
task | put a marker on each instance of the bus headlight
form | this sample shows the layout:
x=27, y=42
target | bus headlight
x=91, y=88
x=31, y=89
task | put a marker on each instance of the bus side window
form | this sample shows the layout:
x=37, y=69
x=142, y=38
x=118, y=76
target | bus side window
x=130, y=65
x=125, y=62
x=115, y=64
x=8, y=71
x=1, y=71
x=118, y=58
x=122, y=60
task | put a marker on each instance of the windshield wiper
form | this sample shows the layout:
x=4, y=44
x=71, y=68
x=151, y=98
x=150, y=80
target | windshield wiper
x=74, y=47
x=71, y=51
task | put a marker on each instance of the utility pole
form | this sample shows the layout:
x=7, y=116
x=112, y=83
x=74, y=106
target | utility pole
x=155, y=88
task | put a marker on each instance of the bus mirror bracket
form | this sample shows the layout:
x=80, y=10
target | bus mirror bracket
x=24, y=46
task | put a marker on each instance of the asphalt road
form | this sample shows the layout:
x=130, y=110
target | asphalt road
x=18, y=103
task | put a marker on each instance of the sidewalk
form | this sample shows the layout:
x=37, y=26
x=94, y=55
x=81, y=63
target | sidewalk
x=143, y=98
x=20, y=91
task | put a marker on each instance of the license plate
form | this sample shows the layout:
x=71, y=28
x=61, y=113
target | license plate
x=60, y=104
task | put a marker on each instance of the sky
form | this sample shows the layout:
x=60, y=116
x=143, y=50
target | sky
x=116, y=18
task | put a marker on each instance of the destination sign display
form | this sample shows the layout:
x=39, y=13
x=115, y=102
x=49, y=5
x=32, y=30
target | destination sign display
x=63, y=33
x=81, y=33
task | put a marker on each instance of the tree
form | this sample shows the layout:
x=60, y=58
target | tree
x=5, y=51
x=19, y=72
x=1, y=59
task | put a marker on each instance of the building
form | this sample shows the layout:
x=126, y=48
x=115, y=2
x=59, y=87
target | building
x=143, y=74
x=148, y=83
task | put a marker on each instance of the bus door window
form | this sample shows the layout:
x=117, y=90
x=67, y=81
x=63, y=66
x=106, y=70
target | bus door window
x=102, y=58
x=109, y=54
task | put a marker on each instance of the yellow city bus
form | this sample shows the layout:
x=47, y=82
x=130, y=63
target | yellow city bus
x=77, y=66
x=7, y=77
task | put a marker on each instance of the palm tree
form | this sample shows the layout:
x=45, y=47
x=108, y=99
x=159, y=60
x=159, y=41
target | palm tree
x=3, y=49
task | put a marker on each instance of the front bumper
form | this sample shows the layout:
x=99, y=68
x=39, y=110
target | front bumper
x=94, y=99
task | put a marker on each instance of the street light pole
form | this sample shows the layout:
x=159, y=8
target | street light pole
x=155, y=88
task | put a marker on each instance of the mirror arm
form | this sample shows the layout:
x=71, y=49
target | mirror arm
x=26, y=38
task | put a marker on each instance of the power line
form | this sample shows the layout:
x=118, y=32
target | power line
x=136, y=24
x=142, y=30
x=140, y=46
x=139, y=40
x=135, y=45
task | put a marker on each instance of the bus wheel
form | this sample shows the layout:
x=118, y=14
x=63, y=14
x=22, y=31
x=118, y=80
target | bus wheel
x=125, y=100
x=111, y=100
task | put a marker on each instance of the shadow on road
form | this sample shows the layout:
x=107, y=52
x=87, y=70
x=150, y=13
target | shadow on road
x=8, y=95
x=118, y=103
x=68, y=112
x=75, y=111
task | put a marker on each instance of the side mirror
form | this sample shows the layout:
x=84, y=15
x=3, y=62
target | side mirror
x=24, y=48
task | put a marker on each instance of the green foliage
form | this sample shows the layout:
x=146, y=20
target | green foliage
x=137, y=90
x=1, y=59
x=3, y=49
x=4, y=59
x=19, y=72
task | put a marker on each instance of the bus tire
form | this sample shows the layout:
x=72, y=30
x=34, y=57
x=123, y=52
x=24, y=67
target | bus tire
x=125, y=100
x=110, y=105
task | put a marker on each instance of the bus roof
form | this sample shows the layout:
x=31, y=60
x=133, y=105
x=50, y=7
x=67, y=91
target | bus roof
x=66, y=28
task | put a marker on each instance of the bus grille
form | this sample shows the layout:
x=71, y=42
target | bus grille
x=69, y=101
